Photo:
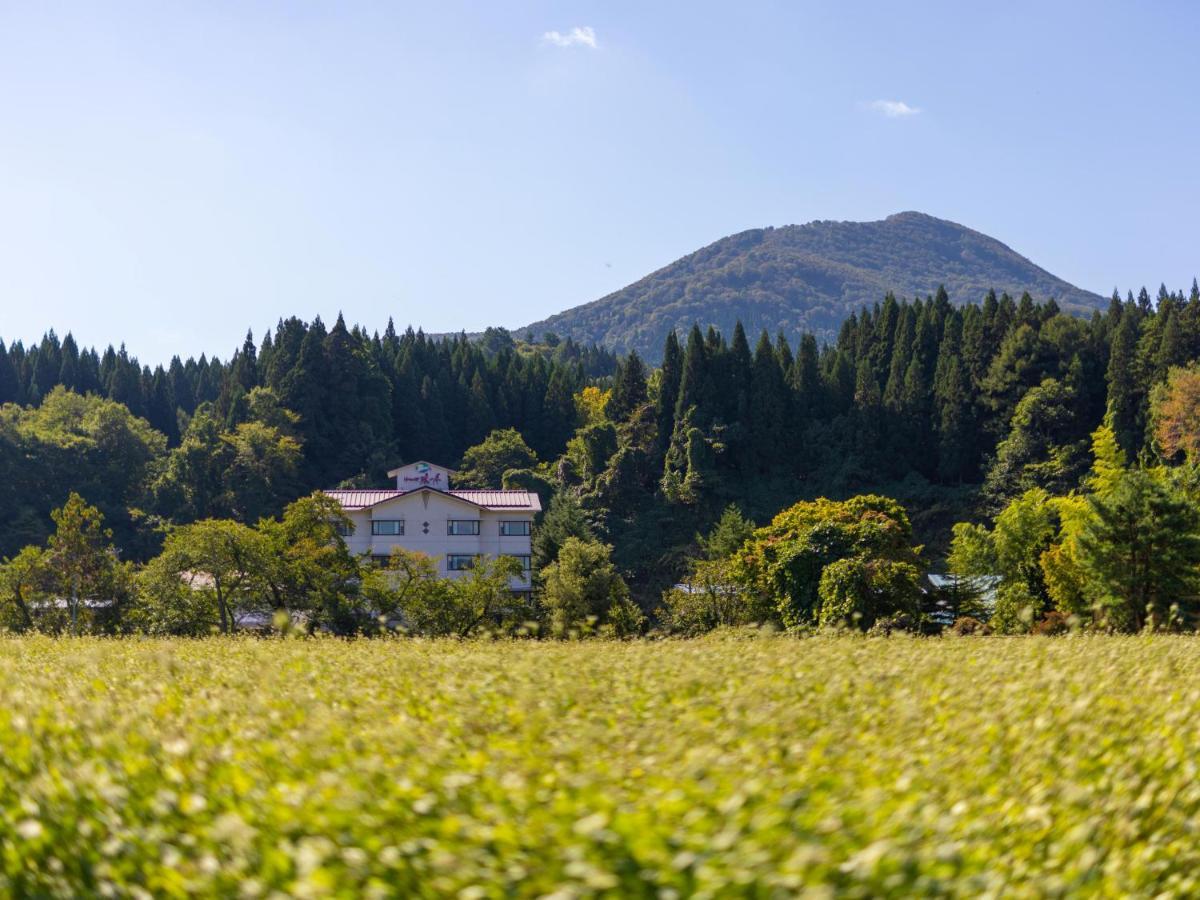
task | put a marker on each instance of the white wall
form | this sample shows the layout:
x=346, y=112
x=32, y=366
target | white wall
x=434, y=508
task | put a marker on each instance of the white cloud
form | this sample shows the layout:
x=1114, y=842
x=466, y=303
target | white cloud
x=893, y=109
x=579, y=36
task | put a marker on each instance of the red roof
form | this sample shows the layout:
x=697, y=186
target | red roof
x=361, y=499
x=501, y=499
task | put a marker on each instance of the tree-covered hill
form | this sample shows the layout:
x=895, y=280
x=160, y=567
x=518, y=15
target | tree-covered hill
x=810, y=278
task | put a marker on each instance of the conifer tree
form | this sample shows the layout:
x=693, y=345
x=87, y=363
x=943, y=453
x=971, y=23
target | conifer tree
x=695, y=383
x=629, y=390
x=245, y=364
x=768, y=407
x=1141, y=547
x=9, y=388
x=957, y=425
x=738, y=365
x=804, y=377
x=68, y=372
x=1124, y=404
x=670, y=376
x=893, y=392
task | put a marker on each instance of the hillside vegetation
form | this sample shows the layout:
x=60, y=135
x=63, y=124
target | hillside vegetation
x=954, y=767
x=974, y=414
x=809, y=278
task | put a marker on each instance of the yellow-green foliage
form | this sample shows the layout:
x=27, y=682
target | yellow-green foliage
x=786, y=561
x=863, y=767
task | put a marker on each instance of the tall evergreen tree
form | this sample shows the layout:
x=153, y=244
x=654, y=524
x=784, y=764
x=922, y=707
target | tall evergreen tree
x=670, y=376
x=629, y=390
x=695, y=384
x=768, y=408
x=806, y=379
x=9, y=388
x=1124, y=404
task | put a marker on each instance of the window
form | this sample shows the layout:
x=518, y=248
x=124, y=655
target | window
x=525, y=561
x=460, y=562
x=387, y=526
x=345, y=530
x=380, y=562
x=514, y=529
x=462, y=526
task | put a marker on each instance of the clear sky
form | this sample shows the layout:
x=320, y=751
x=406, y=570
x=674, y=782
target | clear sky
x=173, y=173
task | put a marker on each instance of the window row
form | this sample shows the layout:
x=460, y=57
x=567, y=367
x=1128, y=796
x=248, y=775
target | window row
x=460, y=562
x=454, y=527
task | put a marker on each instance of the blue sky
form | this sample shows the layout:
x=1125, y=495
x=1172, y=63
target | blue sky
x=171, y=174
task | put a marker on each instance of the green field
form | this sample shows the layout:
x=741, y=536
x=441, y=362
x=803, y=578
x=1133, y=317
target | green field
x=966, y=766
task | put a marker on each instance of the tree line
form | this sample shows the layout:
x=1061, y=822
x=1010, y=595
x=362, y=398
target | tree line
x=310, y=408
x=955, y=412
x=295, y=572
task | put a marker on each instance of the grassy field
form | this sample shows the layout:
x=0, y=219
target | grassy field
x=968, y=766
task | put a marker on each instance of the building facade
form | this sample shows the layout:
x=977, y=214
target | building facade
x=455, y=527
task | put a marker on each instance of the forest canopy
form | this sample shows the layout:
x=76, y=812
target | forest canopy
x=949, y=414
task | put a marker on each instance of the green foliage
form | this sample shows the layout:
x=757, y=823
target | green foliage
x=564, y=519
x=629, y=389
x=914, y=400
x=1141, y=547
x=786, y=561
x=808, y=278
x=714, y=768
x=238, y=473
x=93, y=446
x=709, y=598
x=582, y=591
x=589, y=451
x=1012, y=552
x=1045, y=446
x=25, y=586
x=726, y=537
x=172, y=600
x=74, y=584
x=858, y=591
x=220, y=557
x=80, y=560
x=410, y=590
x=307, y=568
x=484, y=465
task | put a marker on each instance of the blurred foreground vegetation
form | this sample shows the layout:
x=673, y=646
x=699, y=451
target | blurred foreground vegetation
x=755, y=766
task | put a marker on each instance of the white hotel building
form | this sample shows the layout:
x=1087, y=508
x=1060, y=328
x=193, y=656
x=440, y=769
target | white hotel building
x=424, y=514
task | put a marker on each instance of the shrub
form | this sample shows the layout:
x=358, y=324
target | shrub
x=969, y=625
x=1054, y=622
x=826, y=562
x=583, y=590
x=903, y=623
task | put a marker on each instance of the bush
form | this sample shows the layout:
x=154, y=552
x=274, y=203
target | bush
x=583, y=591
x=969, y=625
x=830, y=563
x=1054, y=622
x=709, y=599
x=904, y=623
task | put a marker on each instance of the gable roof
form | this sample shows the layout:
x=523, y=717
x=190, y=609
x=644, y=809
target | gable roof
x=514, y=500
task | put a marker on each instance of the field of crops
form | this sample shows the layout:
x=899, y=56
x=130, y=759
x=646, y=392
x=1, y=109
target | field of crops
x=965, y=766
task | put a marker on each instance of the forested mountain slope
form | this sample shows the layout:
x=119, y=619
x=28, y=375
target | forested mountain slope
x=810, y=278
x=955, y=412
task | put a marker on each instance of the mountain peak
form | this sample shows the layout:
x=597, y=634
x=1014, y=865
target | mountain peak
x=915, y=214
x=798, y=278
